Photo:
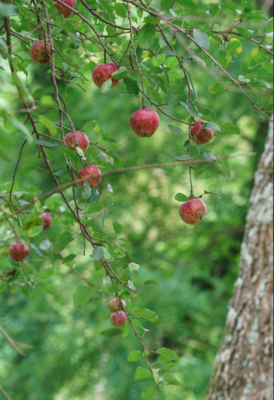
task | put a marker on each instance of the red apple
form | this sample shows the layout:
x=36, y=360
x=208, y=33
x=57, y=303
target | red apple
x=203, y=135
x=40, y=53
x=47, y=220
x=144, y=122
x=18, y=251
x=92, y=175
x=64, y=10
x=118, y=318
x=192, y=211
x=103, y=72
x=81, y=138
x=114, y=305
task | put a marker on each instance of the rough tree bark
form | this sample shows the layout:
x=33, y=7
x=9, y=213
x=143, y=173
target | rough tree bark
x=243, y=367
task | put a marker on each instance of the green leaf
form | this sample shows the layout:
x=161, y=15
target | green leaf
x=4, y=156
x=244, y=32
x=147, y=314
x=189, y=109
x=167, y=4
x=81, y=296
x=117, y=227
x=216, y=88
x=188, y=3
x=202, y=39
x=181, y=197
x=113, y=288
x=132, y=86
x=21, y=127
x=142, y=373
x=48, y=124
x=6, y=10
x=87, y=190
x=183, y=157
x=148, y=393
x=75, y=40
x=186, y=145
x=211, y=125
x=209, y=155
x=133, y=267
x=98, y=253
x=151, y=282
x=176, y=129
x=46, y=144
x=121, y=73
x=48, y=289
x=63, y=240
x=205, y=192
x=225, y=165
x=94, y=197
x=170, y=354
x=230, y=128
x=169, y=365
x=112, y=332
x=172, y=380
x=146, y=36
x=135, y=355
x=106, y=86
x=68, y=258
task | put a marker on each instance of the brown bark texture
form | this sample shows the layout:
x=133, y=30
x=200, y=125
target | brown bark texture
x=243, y=366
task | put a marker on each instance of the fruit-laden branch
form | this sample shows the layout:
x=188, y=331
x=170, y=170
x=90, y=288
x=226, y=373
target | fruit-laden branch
x=61, y=188
x=185, y=32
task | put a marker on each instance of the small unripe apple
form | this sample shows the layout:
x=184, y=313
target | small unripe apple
x=192, y=211
x=40, y=53
x=81, y=138
x=118, y=318
x=64, y=10
x=202, y=135
x=47, y=220
x=144, y=122
x=92, y=175
x=115, y=305
x=18, y=251
x=103, y=72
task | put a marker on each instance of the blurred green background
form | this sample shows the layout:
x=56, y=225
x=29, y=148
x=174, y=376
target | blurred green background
x=195, y=266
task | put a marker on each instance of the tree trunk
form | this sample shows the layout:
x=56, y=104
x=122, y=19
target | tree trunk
x=243, y=367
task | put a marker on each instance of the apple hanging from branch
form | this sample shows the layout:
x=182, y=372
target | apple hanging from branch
x=144, y=122
x=203, y=136
x=115, y=305
x=192, y=211
x=91, y=174
x=18, y=251
x=40, y=52
x=103, y=72
x=118, y=318
x=65, y=10
x=47, y=221
x=81, y=139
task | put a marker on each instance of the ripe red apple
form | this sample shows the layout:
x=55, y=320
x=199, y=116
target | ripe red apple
x=18, y=251
x=192, y=211
x=64, y=10
x=114, y=305
x=118, y=318
x=40, y=53
x=144, y=122
x=47, y=220
x=92, y=175
x=103, y=72
x=81, y=138
x=203, y=135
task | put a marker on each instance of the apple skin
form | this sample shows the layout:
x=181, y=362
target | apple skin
x=144, y=122
x=18, y=251
x=64, y=10
x=114, y=305
x=103, y=72
x=47, y=221
x=192, y=211
x=39, y=54
x=81, y=138
x=203, y=136
x=92, y=180
x=118, y=318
